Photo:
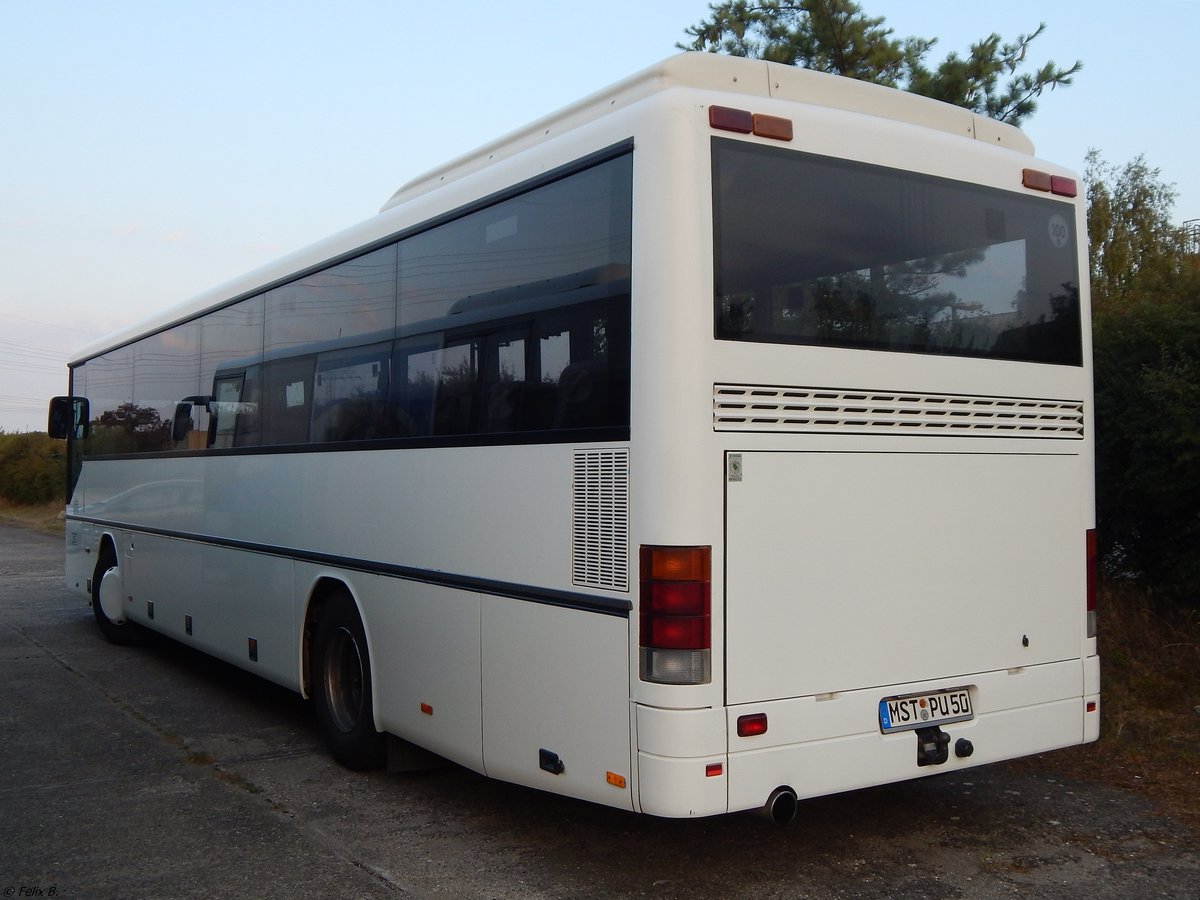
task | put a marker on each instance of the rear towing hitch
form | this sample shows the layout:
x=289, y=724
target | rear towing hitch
x=933, y=746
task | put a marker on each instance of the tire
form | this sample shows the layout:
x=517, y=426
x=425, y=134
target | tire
x=123, y=633
x=340, y=676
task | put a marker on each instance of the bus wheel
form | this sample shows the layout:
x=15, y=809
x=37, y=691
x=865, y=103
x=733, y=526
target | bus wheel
x=107, y=601
x=341, y=686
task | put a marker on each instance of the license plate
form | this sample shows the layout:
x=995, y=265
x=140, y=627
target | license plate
x=924, y=710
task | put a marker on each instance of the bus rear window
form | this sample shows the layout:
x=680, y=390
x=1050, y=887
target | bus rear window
x=821, y=251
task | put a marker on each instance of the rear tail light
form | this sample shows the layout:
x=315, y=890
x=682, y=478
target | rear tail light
x=1091, y=582
x=676, y=615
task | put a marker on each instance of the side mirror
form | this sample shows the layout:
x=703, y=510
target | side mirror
x=203, y=400
x=69, y=417
x=181, y=423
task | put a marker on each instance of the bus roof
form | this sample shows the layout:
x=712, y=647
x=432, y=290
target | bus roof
x=730, y=74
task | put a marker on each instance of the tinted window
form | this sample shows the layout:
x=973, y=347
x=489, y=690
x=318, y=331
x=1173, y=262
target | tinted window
x=513, y=318
x=812, y=250
x=236, y=407
x=336, y=306
x=166, y=390
x=116, y=424
x=350, y=395
x=286, y=401
x=231, y=335
x=573, y=232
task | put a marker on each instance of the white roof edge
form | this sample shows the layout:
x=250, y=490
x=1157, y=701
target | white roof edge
x=730, y=74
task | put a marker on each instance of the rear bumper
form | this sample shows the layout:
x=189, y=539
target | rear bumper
x=832, y=743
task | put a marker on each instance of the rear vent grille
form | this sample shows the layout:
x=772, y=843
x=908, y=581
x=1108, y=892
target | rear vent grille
x=600, y=519
x=828, y=410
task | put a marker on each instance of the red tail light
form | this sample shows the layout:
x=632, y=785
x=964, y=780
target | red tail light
x=676, y=615
x=1091, y=582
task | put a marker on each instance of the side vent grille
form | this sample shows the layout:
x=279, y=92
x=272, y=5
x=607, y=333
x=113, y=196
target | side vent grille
x=600, y=519
x=827, y=410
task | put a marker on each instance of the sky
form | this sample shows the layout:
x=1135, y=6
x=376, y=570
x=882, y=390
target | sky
x=151, y=150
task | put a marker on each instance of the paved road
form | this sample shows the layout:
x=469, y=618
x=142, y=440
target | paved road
x=154, y=772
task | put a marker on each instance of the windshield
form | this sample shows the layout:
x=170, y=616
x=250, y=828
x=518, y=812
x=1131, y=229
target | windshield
x=816, y=250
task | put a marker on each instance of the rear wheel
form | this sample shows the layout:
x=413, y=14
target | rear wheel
x=340, y=676
x=108, y=597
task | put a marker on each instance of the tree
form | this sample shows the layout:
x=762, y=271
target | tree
x=835, y=36
x=1146, y=336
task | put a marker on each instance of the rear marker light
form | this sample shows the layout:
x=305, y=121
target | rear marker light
x=676, y=615
x=712, y=770
x=743, y=121
x=1092, y=706
x=773, y=127
x=1064, y=187
x=1053, y=184
x=1032, y=178
x=729, y=119
x=426, y=709
x=752, y=725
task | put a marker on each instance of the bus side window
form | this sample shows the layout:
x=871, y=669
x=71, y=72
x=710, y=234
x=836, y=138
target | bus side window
x=287, y=400
x=234, y=410
x=227, y=395
x=456, y=396
x=506, y=389
x=349, y=396
x=575, y=359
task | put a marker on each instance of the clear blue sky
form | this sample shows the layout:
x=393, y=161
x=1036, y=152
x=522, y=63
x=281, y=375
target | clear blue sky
x=150, y=150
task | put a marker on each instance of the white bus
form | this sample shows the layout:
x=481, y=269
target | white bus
x=719, y=441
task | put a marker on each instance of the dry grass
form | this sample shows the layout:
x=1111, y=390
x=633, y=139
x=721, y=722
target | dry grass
x=44, y=517
x=1149, y=704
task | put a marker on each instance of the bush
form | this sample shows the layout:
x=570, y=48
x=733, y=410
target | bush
x=32, y=468
x=1146, y=330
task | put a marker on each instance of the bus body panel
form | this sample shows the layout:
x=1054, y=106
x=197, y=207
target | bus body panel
x=567, y=697
x=425, y=646
x=855, y=569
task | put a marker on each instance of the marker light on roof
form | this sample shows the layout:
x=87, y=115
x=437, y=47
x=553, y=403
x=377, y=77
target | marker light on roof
x=1032, y=178
x=773, y=127
x=1064, y=187
x=728, y=119
x=743, y=121
x=1053, y=184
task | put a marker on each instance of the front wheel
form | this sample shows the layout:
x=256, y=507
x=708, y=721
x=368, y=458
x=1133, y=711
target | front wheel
x=108, y=597
x=340, y=676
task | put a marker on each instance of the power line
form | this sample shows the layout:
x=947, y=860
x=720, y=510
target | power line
x=55, y=325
